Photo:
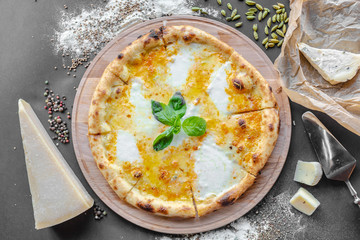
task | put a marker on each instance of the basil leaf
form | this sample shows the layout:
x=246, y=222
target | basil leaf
x=177, y=125
x=156, y=106
x=194, y=126
x=177, y=102
x=163, y=140
x=163, y=113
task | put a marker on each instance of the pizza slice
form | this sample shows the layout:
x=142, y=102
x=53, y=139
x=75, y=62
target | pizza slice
x=231, y=155
x=158, y=182
x=219, y=180
x=237, y=87
x=143, y=58
x=250, y=137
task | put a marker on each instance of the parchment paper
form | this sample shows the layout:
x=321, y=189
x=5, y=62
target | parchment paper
x=333, y=24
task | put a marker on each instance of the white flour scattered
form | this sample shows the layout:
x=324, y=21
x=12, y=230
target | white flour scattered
x=90, y=30
x=271, y=219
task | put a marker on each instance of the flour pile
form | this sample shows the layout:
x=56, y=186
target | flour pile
x=271, y=219
x=90, y=30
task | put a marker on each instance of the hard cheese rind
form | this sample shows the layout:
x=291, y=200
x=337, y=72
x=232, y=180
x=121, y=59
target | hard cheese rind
x=334, y=66
x=308, y=173
x=304, y=201
x=57, y=194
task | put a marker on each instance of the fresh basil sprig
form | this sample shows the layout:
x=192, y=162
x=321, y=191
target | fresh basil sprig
x=171, y=115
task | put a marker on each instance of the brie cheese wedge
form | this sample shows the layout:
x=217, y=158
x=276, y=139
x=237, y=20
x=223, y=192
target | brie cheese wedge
x=334, y=66
x=57, y=194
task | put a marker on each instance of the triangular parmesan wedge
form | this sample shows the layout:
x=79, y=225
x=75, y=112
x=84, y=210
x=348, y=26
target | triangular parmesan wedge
x=334, y=66
x=57, y=194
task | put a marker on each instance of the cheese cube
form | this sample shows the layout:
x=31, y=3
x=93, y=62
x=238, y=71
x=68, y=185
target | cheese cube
x=304, y=201
x=308, y=173
x=57, y=194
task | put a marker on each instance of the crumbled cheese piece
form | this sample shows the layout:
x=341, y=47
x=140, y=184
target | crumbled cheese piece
x=304, y=201
x=308, y=173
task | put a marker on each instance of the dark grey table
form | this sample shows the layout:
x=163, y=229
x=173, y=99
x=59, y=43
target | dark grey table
x=27, y=59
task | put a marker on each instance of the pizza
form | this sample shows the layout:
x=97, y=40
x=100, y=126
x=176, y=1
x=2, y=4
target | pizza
x=180, y=124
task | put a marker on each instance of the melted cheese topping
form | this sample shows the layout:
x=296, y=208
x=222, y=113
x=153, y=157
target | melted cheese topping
x=126, y=149
x=181, y=63
x=216, y=173
x=204, y=163
x=217, y=88
x=144, y=120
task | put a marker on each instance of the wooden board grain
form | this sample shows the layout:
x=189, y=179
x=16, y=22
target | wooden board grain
x=264, y=182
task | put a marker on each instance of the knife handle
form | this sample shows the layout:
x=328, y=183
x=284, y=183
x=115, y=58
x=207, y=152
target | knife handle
x=353, y=193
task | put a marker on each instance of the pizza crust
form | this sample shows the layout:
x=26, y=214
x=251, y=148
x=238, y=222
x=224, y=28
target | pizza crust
x=158, y=206
x=188, y=34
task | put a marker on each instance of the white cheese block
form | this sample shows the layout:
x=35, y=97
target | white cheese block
x=304, y=201
x=334, y=66
x=308, y=173
x=57, y=194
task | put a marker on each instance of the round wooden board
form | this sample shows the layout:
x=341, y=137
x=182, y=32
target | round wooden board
x=219, y=218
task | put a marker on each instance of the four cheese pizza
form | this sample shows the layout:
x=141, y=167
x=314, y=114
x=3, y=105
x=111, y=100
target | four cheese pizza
x=180, y=124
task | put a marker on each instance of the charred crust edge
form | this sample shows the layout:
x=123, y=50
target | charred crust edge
x=145, y=206
x=227, y=199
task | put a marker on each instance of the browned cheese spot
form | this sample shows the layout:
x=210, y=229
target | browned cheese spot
x=240, y=148
x=271, y=127
x=242, y=123
x=255, y=157
x=94, y=102
x=238, y=84
x=189, y=37
x=101, y=166
x=137, y=173
x=120, y=56
x=118, y=90
x=97, y=113
x=163, y=210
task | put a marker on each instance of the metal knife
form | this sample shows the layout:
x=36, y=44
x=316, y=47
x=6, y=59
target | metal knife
x=337, y=163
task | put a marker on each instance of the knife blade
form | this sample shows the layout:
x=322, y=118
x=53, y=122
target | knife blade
x=336, y=162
